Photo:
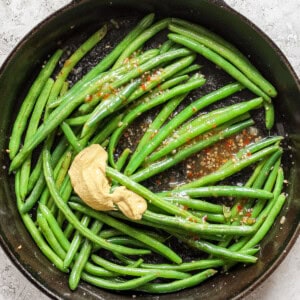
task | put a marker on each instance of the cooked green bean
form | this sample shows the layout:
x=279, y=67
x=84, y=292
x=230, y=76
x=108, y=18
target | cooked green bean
x=219, y=61
x=139, y=156
x=190, y=226
x=176, y=285
x=165, y=47
x=118, y=285
x=75, y=244
x=73, y=60
x=125, y=270
x=189, y=69
x=50, y=237
x=196, y=204
x=82, y=258
x=135, y=233
x=217, y=250
x=221, y=191
x=140, y=40
x=28, y=103
x=231, y=55
x=31, y=129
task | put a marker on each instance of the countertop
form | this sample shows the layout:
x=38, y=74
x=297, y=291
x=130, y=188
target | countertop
x=278, y=19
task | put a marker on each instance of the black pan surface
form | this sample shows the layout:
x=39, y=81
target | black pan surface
x=70, y=26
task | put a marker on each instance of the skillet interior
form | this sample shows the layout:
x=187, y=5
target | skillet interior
x=33, y=50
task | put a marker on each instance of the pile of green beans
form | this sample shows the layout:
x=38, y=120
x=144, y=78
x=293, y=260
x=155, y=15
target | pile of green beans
x=107, y=249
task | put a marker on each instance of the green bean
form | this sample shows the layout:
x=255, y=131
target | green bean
x=204, y=123
x=69, y=215
x=82, y=257
x=137, y=234
x=140, y=40
x=209, y=217
x=49, y=236
x=189, y=69
x=165, y=47
x=137, y=263
x=74, y=59
x=197, y=204
x=218, y=251
x=125, y=270
x=222, y=191
x=56, y=229
x=75, y=244
x=117, y=285
x=177, y=285
x=122, y=159
x=179, y=90
x=28, y=103
x=190, y=226
x=35, y=174
x=98, y=271
x=107, y=130
x=124, y=240
x=232, y=169
x=64, y=88
x=138, y=157
x=164, y=164
x=61, y=173
x=261, y=218
x=34, y=231
x=68, y=231
x=219, y=61
x=229, y=54
x=267, y=224
x=108, y=107
x=269, y=115
x=189, y=266
x=71, y=137
x=77, y=121
x=31, y=129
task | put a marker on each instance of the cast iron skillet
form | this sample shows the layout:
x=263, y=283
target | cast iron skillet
x=70, y=21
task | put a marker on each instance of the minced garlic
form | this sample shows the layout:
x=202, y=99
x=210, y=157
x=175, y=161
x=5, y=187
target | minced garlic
x=88, y=178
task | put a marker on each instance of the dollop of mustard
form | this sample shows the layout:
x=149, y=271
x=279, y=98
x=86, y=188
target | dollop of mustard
x=88, y=178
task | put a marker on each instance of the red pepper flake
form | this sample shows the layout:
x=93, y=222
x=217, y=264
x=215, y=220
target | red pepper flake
x=143, y=86
x=248, y=214
x=246, y=141
x=184, y=207
x=191, y=219
x=195, y=238
x=105, y=96
x=214, y=126
x=88, y=98
x=239, y=208
x=248, y=154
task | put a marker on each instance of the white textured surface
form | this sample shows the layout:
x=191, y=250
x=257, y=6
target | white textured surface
x=280, y=20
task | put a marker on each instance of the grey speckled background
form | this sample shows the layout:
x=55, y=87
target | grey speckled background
x=279, y=19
